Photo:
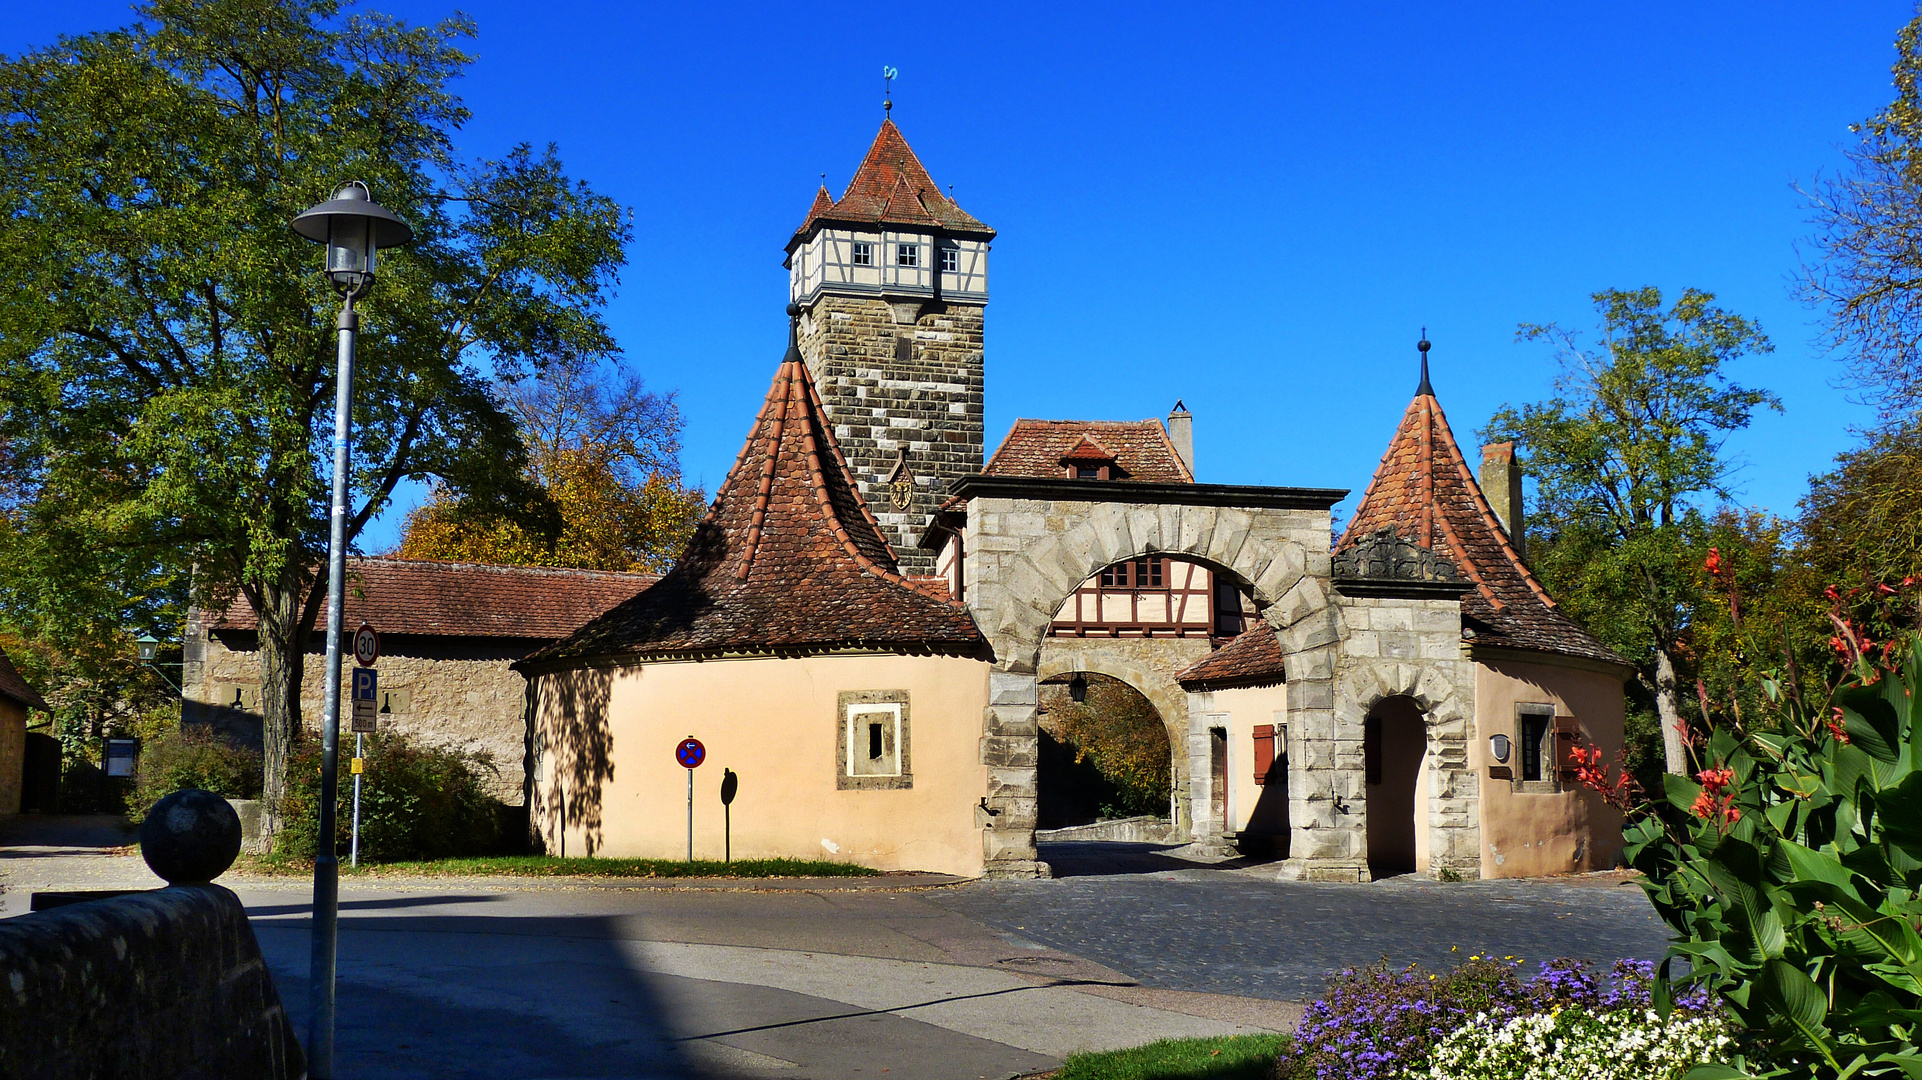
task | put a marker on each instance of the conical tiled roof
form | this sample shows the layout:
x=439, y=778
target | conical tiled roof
x=892, y=188
x=1424, y=491
x=787, y=559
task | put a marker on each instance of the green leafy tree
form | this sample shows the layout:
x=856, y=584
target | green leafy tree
x=167, y=343
x=1622, y=458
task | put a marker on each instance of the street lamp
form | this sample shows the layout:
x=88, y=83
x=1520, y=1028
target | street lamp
x=354, y=227
x=149, y=647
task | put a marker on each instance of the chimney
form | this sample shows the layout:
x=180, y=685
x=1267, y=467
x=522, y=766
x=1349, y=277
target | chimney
x=1502, y=486
x=1181, y=432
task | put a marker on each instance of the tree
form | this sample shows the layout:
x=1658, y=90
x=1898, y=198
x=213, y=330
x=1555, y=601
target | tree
x=1868, y=244
x=167, y=343
x=602, y=453
x=1621, y=458
x=1862, y=523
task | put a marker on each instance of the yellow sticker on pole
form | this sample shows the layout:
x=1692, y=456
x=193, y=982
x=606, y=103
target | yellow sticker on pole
x=358, y=766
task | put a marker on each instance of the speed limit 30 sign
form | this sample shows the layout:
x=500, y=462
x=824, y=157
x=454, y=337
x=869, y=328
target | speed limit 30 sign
x=366, y=645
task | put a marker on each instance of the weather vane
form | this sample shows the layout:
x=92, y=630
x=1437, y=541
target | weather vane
x=889, y=73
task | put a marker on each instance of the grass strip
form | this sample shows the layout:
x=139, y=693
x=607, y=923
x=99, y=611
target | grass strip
x=552, y=866
x=1225, y=1057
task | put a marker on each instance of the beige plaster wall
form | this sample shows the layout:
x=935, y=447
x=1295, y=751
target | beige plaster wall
x=13, y=754
x=1239, y=711
x=607, y=782
x=461, y=695
x=1526, y=834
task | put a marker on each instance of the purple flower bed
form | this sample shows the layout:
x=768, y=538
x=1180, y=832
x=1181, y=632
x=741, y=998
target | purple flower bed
x=1376, y=1021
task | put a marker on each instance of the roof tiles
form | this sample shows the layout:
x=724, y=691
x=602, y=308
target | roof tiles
x=1424, y=491
x=15, y=688
x=788, y=558
x=1253, y=658
x=1140, y=449
x=422, y=596
x=892, y=188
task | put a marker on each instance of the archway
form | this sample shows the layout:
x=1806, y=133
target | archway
x=1394, y=768
x=1031, y=543
x=1104, y=754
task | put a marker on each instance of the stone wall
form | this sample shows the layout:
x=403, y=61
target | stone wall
x=13, y=753
x=1390, y=647
x=167, y=985
x=880, y=401
x=444, y=691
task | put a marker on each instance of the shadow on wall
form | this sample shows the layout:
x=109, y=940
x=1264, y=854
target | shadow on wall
x=576, y=761
x=1266, y=835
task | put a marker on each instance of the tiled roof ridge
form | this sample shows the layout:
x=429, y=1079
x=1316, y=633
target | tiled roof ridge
x=1142, y=447
x=1480, y=502
x=508, y=568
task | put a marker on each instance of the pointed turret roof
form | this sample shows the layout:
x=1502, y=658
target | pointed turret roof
x=1424, y=491
x=891, y=188
x=788, y=559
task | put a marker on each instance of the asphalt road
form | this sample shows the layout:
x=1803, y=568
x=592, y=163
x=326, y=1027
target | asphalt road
x=524, y=979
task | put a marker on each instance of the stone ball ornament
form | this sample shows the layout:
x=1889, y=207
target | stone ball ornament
x=190, y=837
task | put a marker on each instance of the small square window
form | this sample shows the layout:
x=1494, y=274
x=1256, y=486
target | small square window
x=873, y=741
x=950, y=260
x=907, y=254
x=863, y=253
x=1087, y=472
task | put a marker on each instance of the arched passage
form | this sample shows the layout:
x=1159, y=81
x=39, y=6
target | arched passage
x=1104, y=753
x=1160, y=691
x=1031, y=543
x=1394, y=755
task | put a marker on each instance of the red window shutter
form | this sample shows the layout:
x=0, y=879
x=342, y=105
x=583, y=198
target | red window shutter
x=1264, y=751
x=1565, y=734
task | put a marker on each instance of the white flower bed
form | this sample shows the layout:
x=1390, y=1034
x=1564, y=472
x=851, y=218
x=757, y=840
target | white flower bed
x=1575, y=1044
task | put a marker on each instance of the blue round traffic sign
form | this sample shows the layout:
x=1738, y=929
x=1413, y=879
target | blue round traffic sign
x=690, y=753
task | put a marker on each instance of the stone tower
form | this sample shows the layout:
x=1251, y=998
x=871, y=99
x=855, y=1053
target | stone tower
x=892, y=281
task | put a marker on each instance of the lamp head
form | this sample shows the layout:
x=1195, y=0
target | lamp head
x=354, y=228
x=149, y=647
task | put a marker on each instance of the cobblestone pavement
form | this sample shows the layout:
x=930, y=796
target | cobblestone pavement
x=1232, y=932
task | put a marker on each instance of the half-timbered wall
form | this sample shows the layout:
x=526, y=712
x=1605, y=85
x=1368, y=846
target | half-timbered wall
x=834, y=259
x=1154, y=597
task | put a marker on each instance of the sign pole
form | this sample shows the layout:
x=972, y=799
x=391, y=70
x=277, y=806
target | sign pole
x=690, y=753
x=360, y=755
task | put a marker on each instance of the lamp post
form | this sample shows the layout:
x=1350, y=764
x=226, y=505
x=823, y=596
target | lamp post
x=354, y=227
x=149, y=647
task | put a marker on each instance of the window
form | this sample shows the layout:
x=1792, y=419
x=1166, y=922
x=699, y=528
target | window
x=907, y=254
x=872, y=746
x=1535, y=743
x=950, y=260
x=1271, y=742
x=1134, y=574
x=1087, y=472
x=903, y=348
x=863, y=253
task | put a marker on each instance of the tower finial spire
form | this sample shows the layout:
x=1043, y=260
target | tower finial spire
x=889, y=73
x=1423, y=346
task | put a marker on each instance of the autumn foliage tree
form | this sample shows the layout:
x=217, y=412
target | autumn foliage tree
x=605, y=488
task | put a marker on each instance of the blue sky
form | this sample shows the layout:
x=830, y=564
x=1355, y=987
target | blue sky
x=1253, y=208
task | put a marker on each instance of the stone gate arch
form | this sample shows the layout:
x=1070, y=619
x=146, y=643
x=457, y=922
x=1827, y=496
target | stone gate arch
x=1029, y=543
x=1444, y=692
x=1166, y=695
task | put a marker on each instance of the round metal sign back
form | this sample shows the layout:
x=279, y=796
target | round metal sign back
x=690, y=753
x=366, y=645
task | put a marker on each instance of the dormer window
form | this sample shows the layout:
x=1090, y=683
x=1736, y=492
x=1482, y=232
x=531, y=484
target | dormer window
x=907, y=254
x=863, y=253
x=1089, y=460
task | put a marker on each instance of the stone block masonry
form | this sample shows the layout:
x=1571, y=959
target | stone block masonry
x=892, y=384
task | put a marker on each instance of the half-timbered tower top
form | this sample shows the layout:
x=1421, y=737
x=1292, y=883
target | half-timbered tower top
x=892, y=232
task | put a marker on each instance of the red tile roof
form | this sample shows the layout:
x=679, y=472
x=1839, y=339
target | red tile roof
x=1424, y=491
x=1140, y=449
x=421, y=596
x=787, y=559
x=15, y=688
x=1251, y=659
x=891, y=188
